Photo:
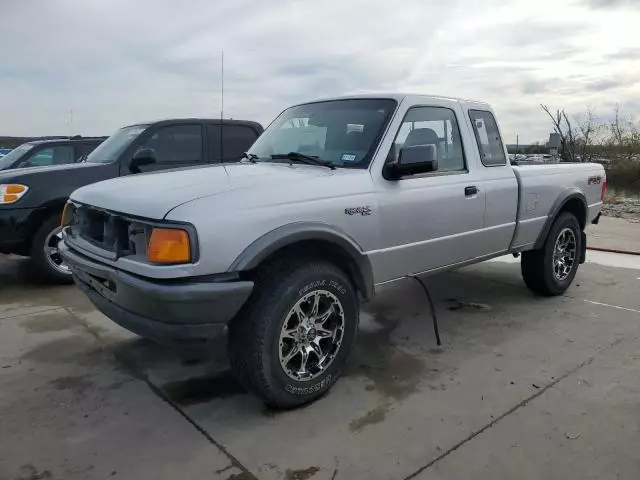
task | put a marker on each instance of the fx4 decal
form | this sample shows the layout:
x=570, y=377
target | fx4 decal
x=597, y=180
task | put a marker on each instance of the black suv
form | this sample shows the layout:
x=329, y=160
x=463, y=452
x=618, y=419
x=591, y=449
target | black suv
x=42, y=153
x=32, y=199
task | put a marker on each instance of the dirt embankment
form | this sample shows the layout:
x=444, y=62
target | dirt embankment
x=622, y=207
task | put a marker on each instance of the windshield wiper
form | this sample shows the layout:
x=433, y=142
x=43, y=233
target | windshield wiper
x=252, y=157
x=301, y=157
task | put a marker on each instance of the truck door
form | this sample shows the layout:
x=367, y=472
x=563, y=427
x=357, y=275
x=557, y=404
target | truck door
x=175, y=146
x=430, y=220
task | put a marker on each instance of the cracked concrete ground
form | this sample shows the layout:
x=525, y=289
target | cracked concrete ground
x=523, y=387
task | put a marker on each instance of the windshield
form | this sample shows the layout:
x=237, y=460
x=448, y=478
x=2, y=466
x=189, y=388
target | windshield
x=343, y=132
x=109, y=150
x=14, y=155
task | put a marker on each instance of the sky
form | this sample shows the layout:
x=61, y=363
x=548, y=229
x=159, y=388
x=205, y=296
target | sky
x=89, y=67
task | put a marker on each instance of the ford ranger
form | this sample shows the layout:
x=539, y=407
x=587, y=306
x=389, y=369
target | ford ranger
x=336, y=198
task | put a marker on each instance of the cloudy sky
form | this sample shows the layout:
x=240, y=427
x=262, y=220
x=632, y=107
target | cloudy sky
x=116, y=62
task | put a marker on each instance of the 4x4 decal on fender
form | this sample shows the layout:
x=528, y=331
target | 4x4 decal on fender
x=364, y=211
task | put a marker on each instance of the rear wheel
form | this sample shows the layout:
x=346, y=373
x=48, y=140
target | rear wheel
x=46, y=262
x=290, y=344
x=550, y=270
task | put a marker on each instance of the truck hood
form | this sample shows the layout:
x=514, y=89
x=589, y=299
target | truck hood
x=153, y=195
x=17, y=174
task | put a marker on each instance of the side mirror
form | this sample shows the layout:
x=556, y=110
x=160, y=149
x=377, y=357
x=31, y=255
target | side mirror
x=412, y=161
x=144, y=156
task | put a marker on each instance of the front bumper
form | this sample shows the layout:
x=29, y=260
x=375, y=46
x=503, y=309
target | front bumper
x=16, y=226
x=159, y=310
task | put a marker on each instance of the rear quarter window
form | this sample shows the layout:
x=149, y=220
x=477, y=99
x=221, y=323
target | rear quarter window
x=488, y=138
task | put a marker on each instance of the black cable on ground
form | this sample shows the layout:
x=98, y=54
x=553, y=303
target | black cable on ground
x=433, y=310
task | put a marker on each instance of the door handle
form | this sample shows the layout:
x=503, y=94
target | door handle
x=472, y=190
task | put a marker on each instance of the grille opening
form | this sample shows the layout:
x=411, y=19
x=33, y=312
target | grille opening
x=107, y=231
x=94, y=227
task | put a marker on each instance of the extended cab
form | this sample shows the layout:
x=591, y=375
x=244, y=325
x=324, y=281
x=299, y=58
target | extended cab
x=32, y=199
x=335, y=198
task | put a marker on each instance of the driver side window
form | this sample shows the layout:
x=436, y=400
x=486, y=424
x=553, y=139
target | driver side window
x=57, y=155
x=177, y=144
x=432, y=126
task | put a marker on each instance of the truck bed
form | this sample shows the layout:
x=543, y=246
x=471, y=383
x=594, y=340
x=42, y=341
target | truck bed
x=543, y=186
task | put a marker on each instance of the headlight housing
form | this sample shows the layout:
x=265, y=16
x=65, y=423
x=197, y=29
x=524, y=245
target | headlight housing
x=11, y=192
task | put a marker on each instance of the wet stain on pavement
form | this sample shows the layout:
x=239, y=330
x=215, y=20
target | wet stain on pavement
x=241, y=476
x=78, y=384
x=455, y=304
x=377, y=415
x=29, y=472
x=202, y=389
x=78, y=349
x=301, y=474
x=394, y=373
x=51, y=321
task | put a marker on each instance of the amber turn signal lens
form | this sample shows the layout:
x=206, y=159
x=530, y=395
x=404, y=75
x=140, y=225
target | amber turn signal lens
x=10, y=193
x=169, y=245
x=15, y=189
x=66, y=215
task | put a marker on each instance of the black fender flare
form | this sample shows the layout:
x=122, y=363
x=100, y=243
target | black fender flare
x=292, y=233
x=556, y=208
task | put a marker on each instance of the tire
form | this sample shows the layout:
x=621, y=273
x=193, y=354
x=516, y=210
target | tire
x=43, y=259
x=540, y=271
x=259, y=347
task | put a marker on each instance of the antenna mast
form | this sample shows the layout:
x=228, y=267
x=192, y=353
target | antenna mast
x=221, y=105
x=222, y=86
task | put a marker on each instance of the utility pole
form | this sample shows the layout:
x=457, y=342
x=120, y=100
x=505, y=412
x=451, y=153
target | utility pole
x=71, y=123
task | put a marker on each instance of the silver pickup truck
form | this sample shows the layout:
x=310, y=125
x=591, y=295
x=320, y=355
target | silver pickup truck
x=335, y=198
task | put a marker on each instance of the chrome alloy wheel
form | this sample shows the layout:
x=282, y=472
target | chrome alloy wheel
x=564, y=254
x=52, y=253
x=311, y=335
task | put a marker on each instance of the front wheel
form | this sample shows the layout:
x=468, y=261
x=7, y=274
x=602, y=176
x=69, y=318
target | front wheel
x=291, y=342
x=46, y=261
x=550, y=270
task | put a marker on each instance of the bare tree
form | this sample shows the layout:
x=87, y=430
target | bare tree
x=589, y=129
x=624, y=142
x=564, y=129
x=616, y=128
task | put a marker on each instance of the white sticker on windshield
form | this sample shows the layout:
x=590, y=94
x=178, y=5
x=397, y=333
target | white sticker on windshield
x=348, y=157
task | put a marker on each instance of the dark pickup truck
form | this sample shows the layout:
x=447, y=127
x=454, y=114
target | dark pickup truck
x=32, y=199
x=42, y=153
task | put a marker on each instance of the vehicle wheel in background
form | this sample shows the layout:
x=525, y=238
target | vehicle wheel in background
x=550, y=270
x=291, y=341
x=46, y=262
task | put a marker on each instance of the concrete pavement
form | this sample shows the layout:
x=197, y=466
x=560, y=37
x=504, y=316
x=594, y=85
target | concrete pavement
x=523, y=387
x=615, y=234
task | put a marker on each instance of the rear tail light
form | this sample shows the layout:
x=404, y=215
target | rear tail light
x=604, y=189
